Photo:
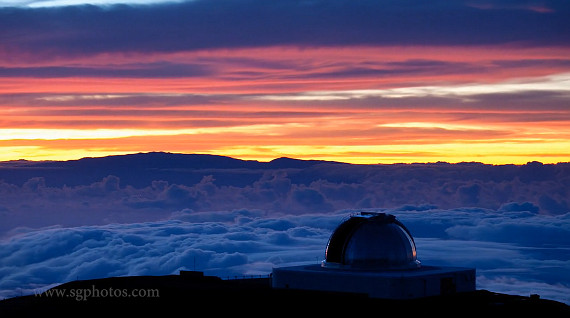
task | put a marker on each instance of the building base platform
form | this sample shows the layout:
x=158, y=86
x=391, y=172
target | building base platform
x=390, y=284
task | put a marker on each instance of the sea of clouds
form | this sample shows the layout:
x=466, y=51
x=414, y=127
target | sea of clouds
x=514, y=249
x=62, y=196
x=149, y=214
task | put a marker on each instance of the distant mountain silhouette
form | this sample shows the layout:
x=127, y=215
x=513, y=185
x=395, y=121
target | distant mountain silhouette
x=165, y=160
x=140, y=169
x=288, y=163
x=192, y=294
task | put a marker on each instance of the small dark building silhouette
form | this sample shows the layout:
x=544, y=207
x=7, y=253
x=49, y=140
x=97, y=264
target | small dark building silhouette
x=375, y=254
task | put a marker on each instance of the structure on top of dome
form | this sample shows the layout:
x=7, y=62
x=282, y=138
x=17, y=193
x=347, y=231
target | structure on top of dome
x=371, y=241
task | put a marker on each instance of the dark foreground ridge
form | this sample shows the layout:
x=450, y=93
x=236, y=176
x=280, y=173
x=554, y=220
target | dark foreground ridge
x=193, y=294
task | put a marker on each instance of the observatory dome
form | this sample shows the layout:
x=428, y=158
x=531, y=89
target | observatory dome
x=371, y=241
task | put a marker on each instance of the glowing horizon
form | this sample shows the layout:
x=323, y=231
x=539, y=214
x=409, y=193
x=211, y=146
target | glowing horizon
x=381, y=101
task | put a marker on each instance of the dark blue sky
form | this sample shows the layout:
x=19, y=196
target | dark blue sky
x=89, y=29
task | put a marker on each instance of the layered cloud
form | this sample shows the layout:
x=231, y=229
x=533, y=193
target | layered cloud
x=373, y=81
x=252, y=242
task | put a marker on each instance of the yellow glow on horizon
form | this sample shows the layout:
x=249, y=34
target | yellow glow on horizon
x=267, y=142
x=38, y=153
x=485, y=152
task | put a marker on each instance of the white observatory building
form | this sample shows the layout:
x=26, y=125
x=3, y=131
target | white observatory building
x=374, y=254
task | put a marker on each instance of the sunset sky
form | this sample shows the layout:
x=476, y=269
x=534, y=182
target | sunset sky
x=353, y=81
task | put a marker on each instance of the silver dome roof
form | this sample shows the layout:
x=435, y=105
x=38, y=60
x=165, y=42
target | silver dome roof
x=371, y=241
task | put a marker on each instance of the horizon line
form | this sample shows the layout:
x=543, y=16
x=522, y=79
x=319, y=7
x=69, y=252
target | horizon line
x=283, y=157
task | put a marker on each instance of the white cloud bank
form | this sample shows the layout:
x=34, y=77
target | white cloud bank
x=514, y=251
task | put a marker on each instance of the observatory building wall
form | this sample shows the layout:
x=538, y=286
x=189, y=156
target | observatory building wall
x=427, y=281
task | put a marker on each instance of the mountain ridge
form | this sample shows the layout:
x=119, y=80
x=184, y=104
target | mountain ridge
x=198, y=160
x=140, y=169
x=197, y=157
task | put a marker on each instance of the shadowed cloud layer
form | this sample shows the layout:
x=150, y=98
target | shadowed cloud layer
x=150, y=186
